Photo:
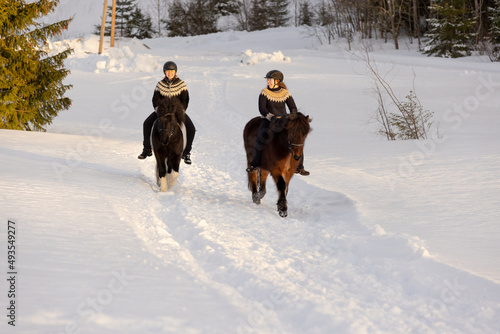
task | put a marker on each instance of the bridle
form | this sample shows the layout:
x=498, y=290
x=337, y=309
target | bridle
x=291, y=151
x=161, y=129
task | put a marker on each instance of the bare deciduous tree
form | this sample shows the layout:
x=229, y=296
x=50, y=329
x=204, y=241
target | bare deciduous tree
x=410, y=121
x=159, y=11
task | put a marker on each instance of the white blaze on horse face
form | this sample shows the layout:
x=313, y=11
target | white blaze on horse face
x=163, y=184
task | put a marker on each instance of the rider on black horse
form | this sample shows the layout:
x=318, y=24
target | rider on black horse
x=171, y=87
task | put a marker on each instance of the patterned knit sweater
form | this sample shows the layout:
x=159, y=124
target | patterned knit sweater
x=273, y=100
x=175, y=89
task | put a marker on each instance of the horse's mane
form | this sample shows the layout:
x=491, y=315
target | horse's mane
x=298, y=125
x=171, y=106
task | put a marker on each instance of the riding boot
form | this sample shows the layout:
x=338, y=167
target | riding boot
x=146, y=152
x=300, y=168
x=187, y=158
x=146, y=132
x=257, y=153
x=190, y=131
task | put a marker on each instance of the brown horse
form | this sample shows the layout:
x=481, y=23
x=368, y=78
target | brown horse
x=280, y=157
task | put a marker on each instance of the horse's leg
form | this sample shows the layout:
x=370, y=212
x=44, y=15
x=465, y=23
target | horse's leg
x=173, y=171
x=161, y=173
x=262, y=183
x=282, y=191
x=253, y=179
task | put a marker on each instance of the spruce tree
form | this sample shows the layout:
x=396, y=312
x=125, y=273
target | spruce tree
x=225, y=7
x=306, y=16
x=494, y=31
x=452, y=29
x=130, y=21
x=202, y=17
x=259, y=16
x=31, y=81
x=278, y=12
x=140, y=25
x=176, y=23
x=124, y=13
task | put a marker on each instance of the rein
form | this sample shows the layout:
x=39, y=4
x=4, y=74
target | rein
x=291, y=144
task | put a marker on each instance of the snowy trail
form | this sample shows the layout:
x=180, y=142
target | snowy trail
x=268, y=269
x=316, y=271
x=317, y=263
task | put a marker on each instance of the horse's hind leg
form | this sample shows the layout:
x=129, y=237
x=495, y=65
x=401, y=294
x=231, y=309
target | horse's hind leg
x=253, y=179
x=262, y=183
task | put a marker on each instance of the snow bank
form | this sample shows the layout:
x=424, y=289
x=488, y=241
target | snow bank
x=251, y=58
x=127, y=55
x=130, y=55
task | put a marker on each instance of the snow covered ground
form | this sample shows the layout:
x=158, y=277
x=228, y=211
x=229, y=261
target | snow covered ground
x=382, y=237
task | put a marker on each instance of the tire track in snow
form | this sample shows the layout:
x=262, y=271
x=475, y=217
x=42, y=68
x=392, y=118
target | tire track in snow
x=163, y=223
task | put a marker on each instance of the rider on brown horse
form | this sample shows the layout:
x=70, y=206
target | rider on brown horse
x=272, y=101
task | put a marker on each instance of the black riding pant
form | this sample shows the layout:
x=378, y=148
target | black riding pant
x=148, y=125
x=264, y=136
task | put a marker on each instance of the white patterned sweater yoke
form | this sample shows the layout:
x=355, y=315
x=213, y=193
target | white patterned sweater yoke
x=278, y=96
x=171, y=90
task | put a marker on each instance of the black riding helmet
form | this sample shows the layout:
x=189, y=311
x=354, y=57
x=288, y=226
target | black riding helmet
x=169, y=65
x=275, y=74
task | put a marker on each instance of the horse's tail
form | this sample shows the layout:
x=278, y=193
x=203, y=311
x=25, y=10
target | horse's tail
x=249, y=184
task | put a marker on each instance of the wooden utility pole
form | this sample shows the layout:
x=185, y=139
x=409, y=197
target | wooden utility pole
x=113, y=15
x=103, y=24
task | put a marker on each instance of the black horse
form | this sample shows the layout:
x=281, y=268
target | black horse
x=280, y=157
x=168, y=139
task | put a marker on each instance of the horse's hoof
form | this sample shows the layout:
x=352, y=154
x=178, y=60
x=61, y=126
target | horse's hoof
x=283, y=213
x=163, y=184
x=256, y=198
